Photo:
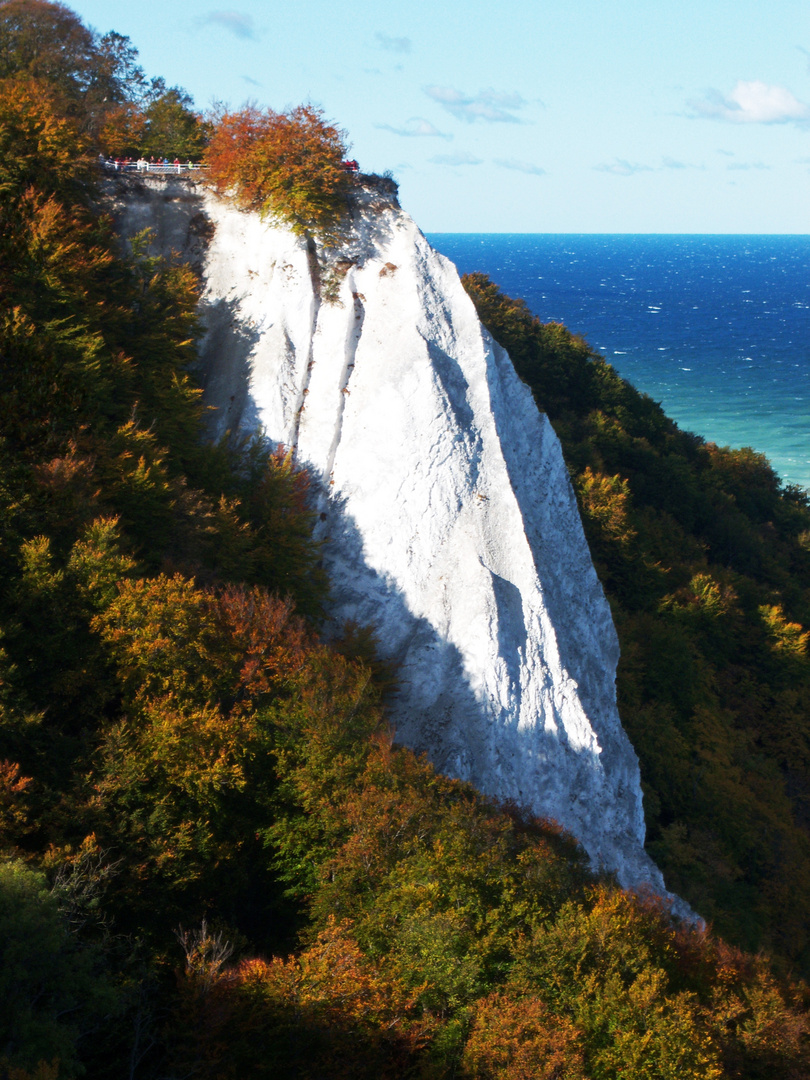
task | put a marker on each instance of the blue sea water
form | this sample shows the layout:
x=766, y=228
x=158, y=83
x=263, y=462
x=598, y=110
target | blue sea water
x=715, y=328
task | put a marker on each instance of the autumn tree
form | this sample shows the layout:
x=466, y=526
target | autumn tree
x=173, y=127
x=87, y=73
x=328, y=1011
x=287, y=165
x=162, y=122
x=516, y=1037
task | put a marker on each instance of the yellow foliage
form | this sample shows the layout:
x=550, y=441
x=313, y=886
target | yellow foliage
x=787, y=638
x=606, y=501
x=518, y=1038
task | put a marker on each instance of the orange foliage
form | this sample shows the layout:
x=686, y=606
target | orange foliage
x=14, y=813
x=231, y=647
x=334, y=980
x=124, y=130
x=517, y=1038
x=286, y=164
x=763, y=1027
x=271, y=642
x=328, y=1012
x=36, y=143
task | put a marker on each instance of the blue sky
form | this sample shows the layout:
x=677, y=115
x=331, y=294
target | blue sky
x=529, y=115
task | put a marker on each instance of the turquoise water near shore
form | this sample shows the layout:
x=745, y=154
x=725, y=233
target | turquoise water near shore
x=716, y=328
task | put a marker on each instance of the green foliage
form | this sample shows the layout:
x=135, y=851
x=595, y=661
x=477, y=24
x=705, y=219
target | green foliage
x=701, y=553
x=86, y=73
x=449, y=937
x=173, y=128
x=178, y=749
x=161, y=123
x=50, y=991
x=106, y=479
x=96, y=83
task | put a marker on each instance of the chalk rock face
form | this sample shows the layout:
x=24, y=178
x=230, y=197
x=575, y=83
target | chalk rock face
x=450, y=521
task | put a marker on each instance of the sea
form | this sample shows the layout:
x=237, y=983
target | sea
x=716, y=328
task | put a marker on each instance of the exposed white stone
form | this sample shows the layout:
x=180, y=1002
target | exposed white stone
x=450, y=521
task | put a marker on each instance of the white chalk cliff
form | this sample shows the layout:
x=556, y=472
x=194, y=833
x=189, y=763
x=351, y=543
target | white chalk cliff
x=450, y=521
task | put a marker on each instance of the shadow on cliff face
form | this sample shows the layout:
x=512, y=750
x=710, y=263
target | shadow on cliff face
x=434, y=709
x=512, y=632
x=171, y=208
x=437, y=710
x=224, y=368
x=572, y=593
x=364, y=235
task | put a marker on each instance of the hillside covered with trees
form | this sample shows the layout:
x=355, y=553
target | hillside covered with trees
x=705, y=557
x=214, y=859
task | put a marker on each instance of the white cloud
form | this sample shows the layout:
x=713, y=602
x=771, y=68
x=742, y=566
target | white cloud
x=520, y=166
x=746, y=165
x=236, y=22
x=460, y=158
x=752, y=103
x=620, y=167
x=491, y=106
x=393, y=44
x=416, y=126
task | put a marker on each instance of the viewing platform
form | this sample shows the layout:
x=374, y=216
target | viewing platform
x=153, y=168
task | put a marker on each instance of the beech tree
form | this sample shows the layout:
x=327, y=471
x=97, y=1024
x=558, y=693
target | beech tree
x=87, y=72
x=161, y=123
x=288, y=165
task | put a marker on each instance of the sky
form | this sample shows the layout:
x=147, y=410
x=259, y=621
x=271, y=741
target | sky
x=551, y=116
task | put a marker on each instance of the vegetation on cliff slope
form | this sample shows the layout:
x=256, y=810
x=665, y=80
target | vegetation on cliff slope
x=705, y=557
x=213, y=860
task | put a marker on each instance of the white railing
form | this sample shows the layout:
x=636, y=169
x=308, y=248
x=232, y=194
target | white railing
x=161, y=168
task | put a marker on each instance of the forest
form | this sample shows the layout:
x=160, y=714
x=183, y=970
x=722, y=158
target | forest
x=215, y=860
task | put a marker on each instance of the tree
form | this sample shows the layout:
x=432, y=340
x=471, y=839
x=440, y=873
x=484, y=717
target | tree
x=288, y=165
x=50, y=991
x=705, y=559
x=517, y=1038
x=161, y=122
x=330, y=1012
x=88, y=74
x=173, y=128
